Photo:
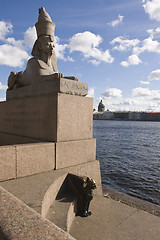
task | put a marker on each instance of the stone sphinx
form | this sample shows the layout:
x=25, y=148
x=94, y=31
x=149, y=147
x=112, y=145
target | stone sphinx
x=43, y=64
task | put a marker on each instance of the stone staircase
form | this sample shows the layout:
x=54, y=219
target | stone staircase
x=62, y=212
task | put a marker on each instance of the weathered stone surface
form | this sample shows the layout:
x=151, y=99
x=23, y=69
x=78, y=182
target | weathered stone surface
x=75, y=118
x=36, y=190
x=35, y=158
x=45, y=87
x=59, y=117
x=18, y=221
x=75, y=152
x=10, y=139
x=7, y=163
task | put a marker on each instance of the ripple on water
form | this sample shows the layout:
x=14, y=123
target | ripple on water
x=129, y=154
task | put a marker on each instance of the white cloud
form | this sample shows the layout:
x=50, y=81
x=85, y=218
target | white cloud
x=142, y=99
x=117, y=21
x=12, y=52
x=140, y=92
x=3, y=87
x=60, y=50
x=137, y=47
x=152, y=7
x=154, y=75
x=124, y=44
x=112, y=93
x=88, y=44
x=132, y=60
x=12, y=56
x=16, y=43
x=145, y=82
x=30, y=37
x=5, y=28
x=154, y=33
x=91, y=92
x=150, y=46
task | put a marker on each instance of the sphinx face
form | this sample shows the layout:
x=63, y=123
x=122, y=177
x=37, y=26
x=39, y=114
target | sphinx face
x=46, y=44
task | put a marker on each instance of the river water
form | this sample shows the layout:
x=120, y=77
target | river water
x=129, y=155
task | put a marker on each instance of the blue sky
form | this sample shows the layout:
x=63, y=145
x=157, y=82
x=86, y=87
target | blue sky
x=113, y=45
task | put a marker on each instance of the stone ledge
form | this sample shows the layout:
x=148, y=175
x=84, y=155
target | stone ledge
x=26, y=159
x=18, y=221
x=71, y=153
x=7, y=163
x=47, y=87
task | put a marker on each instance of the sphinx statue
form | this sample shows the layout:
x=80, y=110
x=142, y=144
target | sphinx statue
x=43, y=64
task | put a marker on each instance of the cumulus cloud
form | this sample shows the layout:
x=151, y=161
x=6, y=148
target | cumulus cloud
x=117, y=21
x=141, y=99
x=5, y=28
x=91, y=92
x=61, y=50
x=12, y=52
x=132, y=60
x=152, y=7
x=137, y=47
x=150, y=46
x=12, y=56
x=124, y=44
x=154, y=33
x=88, y=43
x=3, y=87
x=112, y=93
x=141, y=92
x=154, y=75
x=30, y=37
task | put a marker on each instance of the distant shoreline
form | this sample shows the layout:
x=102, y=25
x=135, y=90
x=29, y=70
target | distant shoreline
x=127, y=116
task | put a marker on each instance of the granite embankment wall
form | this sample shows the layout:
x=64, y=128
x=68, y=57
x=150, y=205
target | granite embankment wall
x=133, y=116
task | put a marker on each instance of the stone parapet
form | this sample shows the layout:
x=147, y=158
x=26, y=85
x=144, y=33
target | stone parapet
x=46, y=87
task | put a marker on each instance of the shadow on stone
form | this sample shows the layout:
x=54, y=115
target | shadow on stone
x=79, y=188
x=3, y=235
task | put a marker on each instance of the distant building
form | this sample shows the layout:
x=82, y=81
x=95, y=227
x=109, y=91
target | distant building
x=153, y=116
x=101, y=107
x=103, y=115
x=121, y=115
x=134, y=116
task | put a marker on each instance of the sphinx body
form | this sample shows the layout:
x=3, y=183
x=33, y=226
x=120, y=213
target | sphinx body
x=43, y=64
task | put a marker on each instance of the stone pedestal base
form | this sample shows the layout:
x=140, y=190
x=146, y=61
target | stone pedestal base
x=28, y=159
x=55, y=118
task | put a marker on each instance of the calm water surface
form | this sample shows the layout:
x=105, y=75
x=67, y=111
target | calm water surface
x=129, y=154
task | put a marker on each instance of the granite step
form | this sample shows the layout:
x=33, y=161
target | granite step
x=62, y=212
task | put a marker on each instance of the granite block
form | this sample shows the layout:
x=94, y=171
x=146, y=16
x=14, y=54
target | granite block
x=75, y=152
x=7, y=163
x=35, y=158
x=34, y=117
x=11, y=139
x=75, y=118
x=46, y=87
x=59, y=117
